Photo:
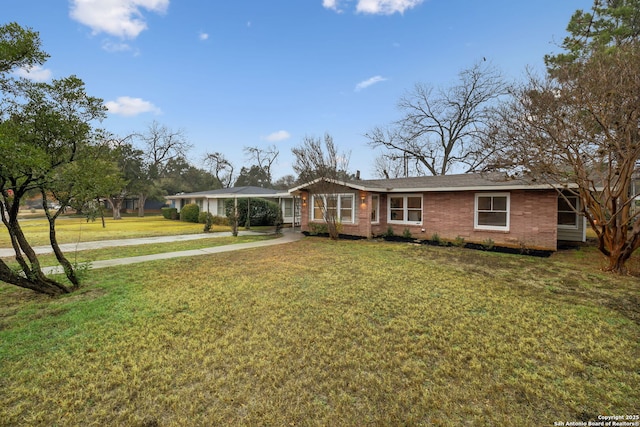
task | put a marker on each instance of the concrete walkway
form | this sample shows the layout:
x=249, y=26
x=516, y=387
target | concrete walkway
x=99, y=244
x=288, y=236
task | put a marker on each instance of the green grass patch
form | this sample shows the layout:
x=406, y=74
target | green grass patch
x=326, y=333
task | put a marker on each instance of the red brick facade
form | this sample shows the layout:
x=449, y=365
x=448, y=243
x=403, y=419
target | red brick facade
x=451, y=215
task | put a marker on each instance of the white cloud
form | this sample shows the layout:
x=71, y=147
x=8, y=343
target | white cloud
x=366, y=83
x=112, y=47
x=35, y=73
x=203, y=36
x=331, y=4
x=121, y=18
x=280, y=135
x=127, y=106
x=376, y=7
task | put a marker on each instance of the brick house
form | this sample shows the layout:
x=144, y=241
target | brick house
x=511, y=212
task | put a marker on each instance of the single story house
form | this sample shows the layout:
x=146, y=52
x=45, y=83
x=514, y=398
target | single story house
x=213, y=200
x=511, y=212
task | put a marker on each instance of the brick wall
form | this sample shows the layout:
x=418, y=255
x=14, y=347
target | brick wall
x=533, y=217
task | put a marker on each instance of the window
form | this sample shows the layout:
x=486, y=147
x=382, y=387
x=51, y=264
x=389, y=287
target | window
x=568, y=211
x=288, y=207
x=346, y=208
x=220, y=208
x=492, y=211
x=405, y=209
x=375, y=207
x=339, y=205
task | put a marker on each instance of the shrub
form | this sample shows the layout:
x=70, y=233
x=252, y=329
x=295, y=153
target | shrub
x=406, y=233
x=202, y=217
x=488, y=244
x=169, y=213
x=219, y=220
x=389, y=232
x=459, y=241
x=435, y=239
x=190, y=213
x=315, y=228
x=206, y=218
x=263, y=212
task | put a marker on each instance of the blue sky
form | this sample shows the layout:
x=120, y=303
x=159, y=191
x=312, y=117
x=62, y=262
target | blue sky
x=240, y=73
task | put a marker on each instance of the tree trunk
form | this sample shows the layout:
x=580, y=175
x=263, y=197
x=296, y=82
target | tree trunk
x=142, y=198
x=116, y=205
x=617, y=244
x=64, y=262
x=33, y=277
x=40, y=285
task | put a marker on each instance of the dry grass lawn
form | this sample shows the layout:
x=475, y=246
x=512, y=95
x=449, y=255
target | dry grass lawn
x=327, y=333
x=70, y=229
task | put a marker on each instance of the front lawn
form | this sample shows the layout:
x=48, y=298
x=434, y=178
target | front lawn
x=71, y=229
x=327, y=333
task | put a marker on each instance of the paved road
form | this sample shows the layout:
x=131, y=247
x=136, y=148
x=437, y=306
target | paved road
x=287, y=237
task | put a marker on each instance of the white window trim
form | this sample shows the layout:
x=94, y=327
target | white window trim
x=491, y=227
x=577, y=224
x=284, y=208
x=338, y=207
x=405, y=209
x=376, y=206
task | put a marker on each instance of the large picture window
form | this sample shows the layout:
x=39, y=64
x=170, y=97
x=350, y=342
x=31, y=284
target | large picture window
x=568, y=211
x=405, y=209
x=492, y=211
x=340, y=205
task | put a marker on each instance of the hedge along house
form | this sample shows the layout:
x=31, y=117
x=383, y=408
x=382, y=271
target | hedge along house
x=213, y=200
x=475, y=207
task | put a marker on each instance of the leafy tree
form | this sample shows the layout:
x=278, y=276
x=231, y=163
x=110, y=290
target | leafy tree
x=19, y=48
x=580, y=124
x=130, y=164
x=44, y=127
x=83, y=184
x=253, y=176
x=284, y=183
x=181, y=176
x=444, y=129
x=324, y=166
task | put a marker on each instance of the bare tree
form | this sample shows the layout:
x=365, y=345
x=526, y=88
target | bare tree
x=264, y=158
x=220, y=167
x=443, y=130
x=584, y=130
x=390, y=165
x=324, y=166
x=160, y=145
x=580, y=125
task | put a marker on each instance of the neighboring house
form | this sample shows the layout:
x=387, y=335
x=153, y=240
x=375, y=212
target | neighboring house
x=213, y=200
x=476, y=207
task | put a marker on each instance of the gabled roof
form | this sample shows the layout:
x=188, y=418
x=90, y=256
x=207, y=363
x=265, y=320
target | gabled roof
x=222, y=193
x=461, y=182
